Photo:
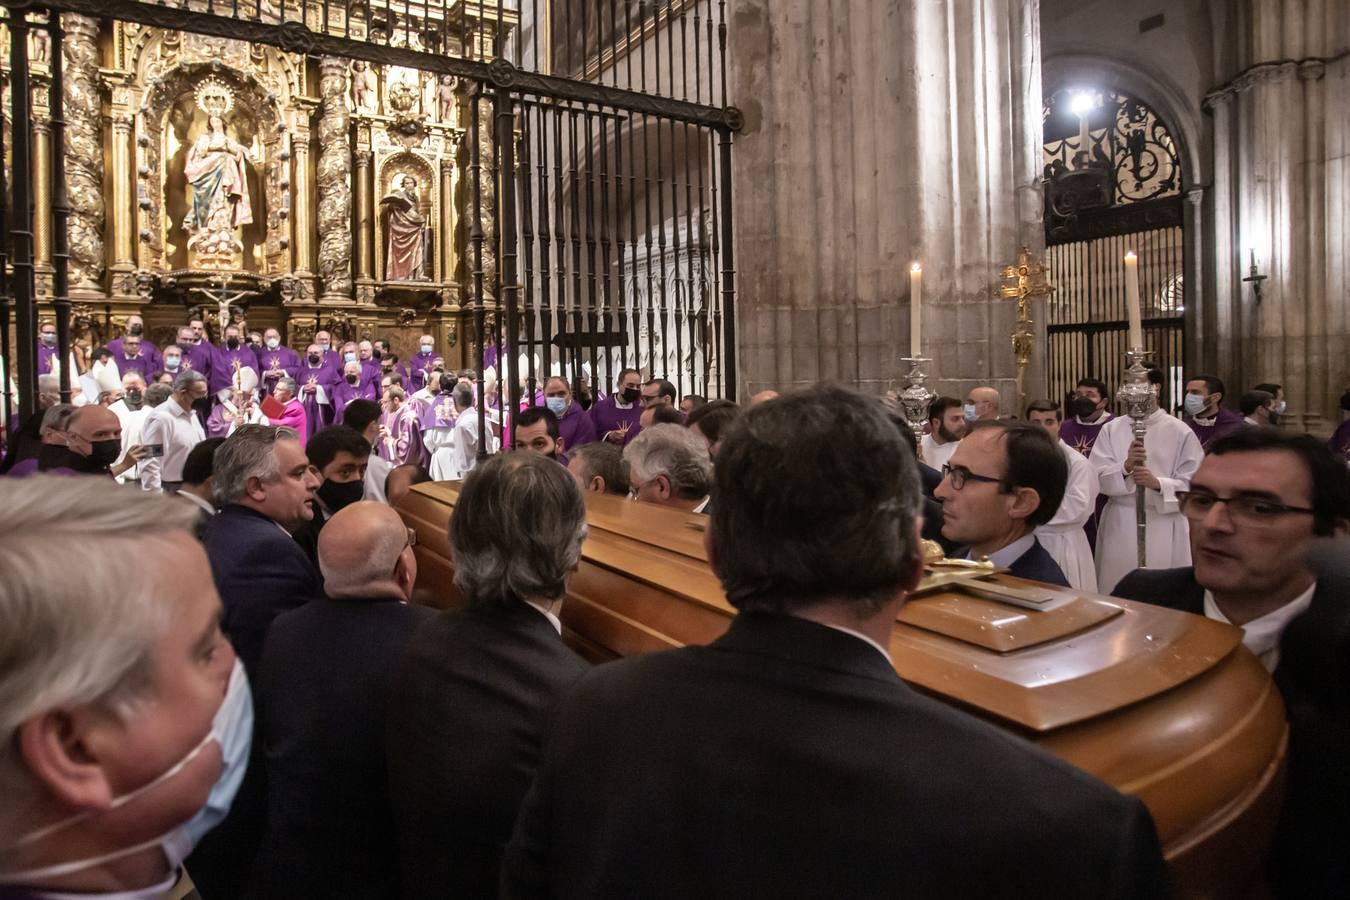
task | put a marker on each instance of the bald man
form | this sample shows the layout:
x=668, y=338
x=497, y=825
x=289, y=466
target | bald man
x=321, y=684
x=92, y=447
x=982, y=405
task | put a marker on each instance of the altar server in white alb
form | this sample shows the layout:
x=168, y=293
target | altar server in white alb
x=1170, y=455
x=1063, y=536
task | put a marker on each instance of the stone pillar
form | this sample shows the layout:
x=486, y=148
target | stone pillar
x=446, y=236
x=124, y=170
x=84, y=158
x=302, y=214
x=334, y=183
x=42, y=186
x=365, y=218
x=1281, y=179
x=878, y=134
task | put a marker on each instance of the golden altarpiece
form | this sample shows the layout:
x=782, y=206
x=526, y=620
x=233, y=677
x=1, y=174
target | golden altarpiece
x=243, y=180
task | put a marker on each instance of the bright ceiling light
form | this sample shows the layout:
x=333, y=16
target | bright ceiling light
x=1083, y=102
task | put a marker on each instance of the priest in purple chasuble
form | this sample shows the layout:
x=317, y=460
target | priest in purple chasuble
x=400, y=437
x=136, y=328
x=228, y=359
x=276, y=360
x=292, y=413
x=422, y=362
x=238, y=408
x=350, y=388
x=316, y=380
x=132, y=356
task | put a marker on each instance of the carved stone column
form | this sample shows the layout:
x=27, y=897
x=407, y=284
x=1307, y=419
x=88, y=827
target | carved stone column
x=42, y=185
x=334, y=183
x=302, y=215
x=447, y=246
x=84, y=158
x=365, y=218
x=123, y=153
x=948, y=99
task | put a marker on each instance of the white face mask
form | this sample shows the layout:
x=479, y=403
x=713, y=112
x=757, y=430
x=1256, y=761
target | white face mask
x=232, y=729
x=273, y=343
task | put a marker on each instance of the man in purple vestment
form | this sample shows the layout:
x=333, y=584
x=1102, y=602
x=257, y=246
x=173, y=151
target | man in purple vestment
x=276, y=360
x=370, y=366
x=235, y=355
x=194, y=357
x=136, y=328
x=574, y=424
x=1087, y=415
x=131, y=356
x=400, y=439
x=293, y=412
x=616, y=417
x=47, y=350
x=420, y=363
x=350, y=388
x=1204, y=414
x=316, y=380
x=228, y=415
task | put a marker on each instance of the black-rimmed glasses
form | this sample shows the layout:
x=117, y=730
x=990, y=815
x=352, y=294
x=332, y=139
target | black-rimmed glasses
x=959, y=475
x=1243, y=508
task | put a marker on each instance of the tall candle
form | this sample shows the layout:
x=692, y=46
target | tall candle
x=1132, y=301
x=915, y=295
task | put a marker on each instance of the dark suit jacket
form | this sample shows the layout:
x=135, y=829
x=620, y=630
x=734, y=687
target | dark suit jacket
x=1038, y=565
x=467, y=718
x=1310, y=856
x=788, y=759
x=260, y=572
x=322, y=685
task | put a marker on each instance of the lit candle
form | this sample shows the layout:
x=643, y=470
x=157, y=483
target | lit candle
x=1132, y=301
x=915, y=295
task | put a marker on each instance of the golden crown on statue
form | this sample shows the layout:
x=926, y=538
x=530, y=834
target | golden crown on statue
x=214, y=97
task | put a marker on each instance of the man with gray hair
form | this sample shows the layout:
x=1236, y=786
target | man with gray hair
x=479, y=685
x=322, y=686
x=170, y=431
x=668, y=465
x=785, y=758
x=263, y=485
x=124, y=721
x=25, y=457
x=292, y=410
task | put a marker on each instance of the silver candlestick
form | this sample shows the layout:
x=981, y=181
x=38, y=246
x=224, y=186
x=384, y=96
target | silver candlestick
x=917, y=396
x=1140, y=400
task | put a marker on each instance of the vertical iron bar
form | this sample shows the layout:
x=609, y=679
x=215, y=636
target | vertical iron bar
x=21, y=219
x=592, y=317
x=578, y=326
x=560, y=233
x=60, y=201
x=728, y=267
x=706, y=338
x=715, y=295
x=6, y=348
x=545, y=298
x=476, y=240
x=606, y=322
x=506, y=262
x=527, y=238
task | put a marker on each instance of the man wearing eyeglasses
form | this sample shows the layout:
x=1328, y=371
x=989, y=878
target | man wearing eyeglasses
x=1258, y=502
x=1004, y=480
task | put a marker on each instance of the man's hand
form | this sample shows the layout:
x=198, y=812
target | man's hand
x=1136, y=456
x=618, y=435
x=308, y=388
x=1142, y=476
x=135, y=453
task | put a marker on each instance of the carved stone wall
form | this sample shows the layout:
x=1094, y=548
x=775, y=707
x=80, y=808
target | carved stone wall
x=84, y=152
x=334, y=181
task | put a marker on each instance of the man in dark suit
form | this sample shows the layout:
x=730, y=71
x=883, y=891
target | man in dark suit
x=198, y=488
x=788, y=758
x=472, y=704
x=263, y=485
x=1256, y=505
x=321, y=690
x=1004, y=479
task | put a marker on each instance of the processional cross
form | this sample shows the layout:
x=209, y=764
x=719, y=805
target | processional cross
x=1023, y=281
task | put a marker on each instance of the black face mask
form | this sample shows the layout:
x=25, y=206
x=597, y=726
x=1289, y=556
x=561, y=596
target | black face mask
x=104, y=453
x=353, y=379
x=1345, y=401
x=133, y=399
x=186, y=348
x=135, y=330
x=631, y=395
x=232, y=343
x=314, y=359
x=337, y=494
x=1082, y=407
x=376, y=355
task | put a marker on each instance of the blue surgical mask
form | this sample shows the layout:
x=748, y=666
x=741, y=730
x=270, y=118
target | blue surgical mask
x=1194, y=404
x=349, y=357
x=426, y=349
x=171, y=363
x=556, y=405
x=232, y=729
x=969, y=411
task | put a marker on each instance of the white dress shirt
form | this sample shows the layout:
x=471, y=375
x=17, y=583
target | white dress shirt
x=552, y=618
x=179, y=431
x=1004, y=557
x=937, y=455
x=1262, y=636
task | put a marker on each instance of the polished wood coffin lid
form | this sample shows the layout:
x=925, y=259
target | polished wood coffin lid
x=1163, y=705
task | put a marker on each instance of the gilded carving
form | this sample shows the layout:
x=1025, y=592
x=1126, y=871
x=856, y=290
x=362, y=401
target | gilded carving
x=84, y=151
x=334, y=185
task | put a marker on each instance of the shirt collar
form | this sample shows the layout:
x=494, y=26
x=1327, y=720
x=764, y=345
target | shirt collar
x=619, y=404
x=197, y=502
x=1105, y=417
x=1262, y=635
x=553, y=619
x=702, y=504
x=1005, y=556
x=862, y=637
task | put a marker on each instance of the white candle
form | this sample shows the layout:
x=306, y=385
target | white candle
x=1132, y=301
x=915, y=297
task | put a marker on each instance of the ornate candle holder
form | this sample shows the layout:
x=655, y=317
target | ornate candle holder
x=917, y=396
x=1139, y=399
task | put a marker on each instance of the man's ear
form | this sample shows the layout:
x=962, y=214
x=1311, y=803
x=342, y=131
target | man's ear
x=53, y=748
x=253, y=487
x=1025, y=502
x=597, y=484
x=560, y=447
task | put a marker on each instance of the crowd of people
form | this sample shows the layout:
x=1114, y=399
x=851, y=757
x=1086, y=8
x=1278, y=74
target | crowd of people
x=223, y=671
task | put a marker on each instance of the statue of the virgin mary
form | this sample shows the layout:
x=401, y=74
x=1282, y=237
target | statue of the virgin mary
x=217, y=182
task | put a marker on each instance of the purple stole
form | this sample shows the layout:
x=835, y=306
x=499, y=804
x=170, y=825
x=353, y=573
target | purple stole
x=1226, y=422
x=440, y=413
x=142, y=363
x=222, y=366
x=576, y=427
x=608, y=417
x=1081, y=437
x=404, y=444
x=343, y=393
x=284, y=358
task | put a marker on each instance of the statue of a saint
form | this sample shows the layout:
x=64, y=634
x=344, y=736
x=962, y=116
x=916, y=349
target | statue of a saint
x=363, y=86
x=445, y=98
x=405, y=232
x=217, y=174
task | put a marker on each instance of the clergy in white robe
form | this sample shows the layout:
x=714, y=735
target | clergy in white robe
x=1063, y=536
x=1172, y=456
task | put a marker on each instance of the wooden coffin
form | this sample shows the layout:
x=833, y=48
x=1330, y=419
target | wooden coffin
x=1163, y=705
